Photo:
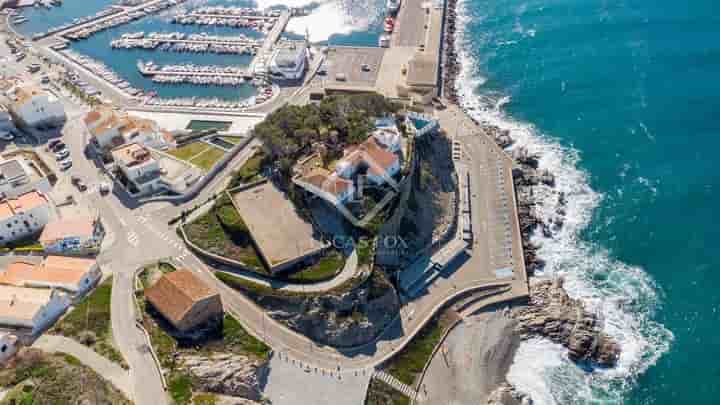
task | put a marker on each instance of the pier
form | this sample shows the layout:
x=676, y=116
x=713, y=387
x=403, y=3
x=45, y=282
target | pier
x=194, y=74
x=259, y=63
x=84, y=28
x=179, y=42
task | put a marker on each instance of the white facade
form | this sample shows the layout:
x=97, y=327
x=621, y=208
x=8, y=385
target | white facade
x=289, y=62
x=326, y=191
x=17, y=178
x=82, y=236
x=23, y=216
x=33, y=107
x=32, y=308
x=139, y=167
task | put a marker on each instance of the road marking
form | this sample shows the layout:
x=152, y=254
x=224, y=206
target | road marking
x=133, y=238
x=122, y=222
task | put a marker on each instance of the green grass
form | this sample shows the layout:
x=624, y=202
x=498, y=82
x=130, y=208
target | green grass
x=407, y=364
x=221, y=231
x=207, y=159
x=91, y=317
x=205, y=399
x=186, y=152
x=36, y=377
x=250, y=171
x=200, y=125
x=380, y=393
x=325, y=269
x=232, y=139
x=180, y=387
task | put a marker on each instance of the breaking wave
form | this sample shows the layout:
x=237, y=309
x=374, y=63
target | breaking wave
x=624, y=296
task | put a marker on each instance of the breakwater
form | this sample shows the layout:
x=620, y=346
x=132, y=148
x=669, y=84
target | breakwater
x=205, y=75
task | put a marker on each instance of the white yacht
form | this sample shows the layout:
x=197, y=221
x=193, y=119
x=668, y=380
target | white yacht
x=393, y=6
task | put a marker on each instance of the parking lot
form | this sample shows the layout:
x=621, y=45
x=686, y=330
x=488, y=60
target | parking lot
x=346, y=64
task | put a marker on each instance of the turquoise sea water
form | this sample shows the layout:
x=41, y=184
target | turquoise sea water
x=623, y=98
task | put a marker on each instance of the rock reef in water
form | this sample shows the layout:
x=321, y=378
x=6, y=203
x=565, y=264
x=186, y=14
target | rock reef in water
x=551, y=313
x=506, y=394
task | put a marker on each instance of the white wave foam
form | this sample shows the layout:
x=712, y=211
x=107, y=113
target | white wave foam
x=624, y=296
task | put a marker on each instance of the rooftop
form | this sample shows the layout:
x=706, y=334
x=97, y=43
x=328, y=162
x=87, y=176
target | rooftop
x=175, y=293
x=23, y=303
x=377, y=158
x=69, y=263
x=22, y=273
x=422, y=70
x=22, y=203
x=23, y=93
x=327, y=181
x=66, y=228
x=11, y=170
x=131, y=154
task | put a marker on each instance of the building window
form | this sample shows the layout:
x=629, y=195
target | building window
x=3, y=349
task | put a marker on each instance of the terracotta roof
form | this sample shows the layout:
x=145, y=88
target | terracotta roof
x=327, y=182
x=25, y=93
x=23, y=273
x=69, y=263
x=97, y=114
x=66, y=228
x=22, y=303
x=377, y=158
x=175, y=293
x=22, y=203
x=110, y=122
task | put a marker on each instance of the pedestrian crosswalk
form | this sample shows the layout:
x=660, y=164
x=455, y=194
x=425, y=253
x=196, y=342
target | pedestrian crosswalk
x=166, y=237
x=395, y=383
x=133, y=238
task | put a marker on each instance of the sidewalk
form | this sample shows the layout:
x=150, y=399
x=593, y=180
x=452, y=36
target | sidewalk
x=102, y=366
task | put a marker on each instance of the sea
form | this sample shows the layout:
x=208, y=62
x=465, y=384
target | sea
x=621, y=99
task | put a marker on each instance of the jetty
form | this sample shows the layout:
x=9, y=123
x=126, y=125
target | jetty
x=108, y=18
x=197, y=43
x=206, y=75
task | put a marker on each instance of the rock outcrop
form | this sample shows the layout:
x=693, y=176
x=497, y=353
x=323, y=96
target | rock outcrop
x=505, y=394
x=553, y=314
x=347, y=319
x=228, y=374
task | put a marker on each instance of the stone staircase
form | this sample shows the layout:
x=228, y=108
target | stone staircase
x=397, y=384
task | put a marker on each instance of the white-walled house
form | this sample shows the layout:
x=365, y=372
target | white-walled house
x=31, y=106
x=381, y=164
x=328, y=186
x=18, y=176
x=138, y=166
x=35, y=309
x=109, y=129
x=73, y=236
x=23, y=216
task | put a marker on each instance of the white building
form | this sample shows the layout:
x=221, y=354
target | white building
x=139, y=168
x=33, y=107
x=288, y=62
x=23, y=216
x=72, y=274
x=8, y=346
x=74, y=236
x=19, y=175
x=328, y=186
x=35, y=309
x=110, y=129
x=380, y=164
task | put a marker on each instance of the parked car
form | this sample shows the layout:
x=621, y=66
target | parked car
x=62, y=154
x=79, y=183
x=65, y=164
x=59, y=147
x=52, y=143
x=104, y=188
x=6, y=136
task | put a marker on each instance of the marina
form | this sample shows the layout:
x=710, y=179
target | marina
x=195, y=74
x=180, y=42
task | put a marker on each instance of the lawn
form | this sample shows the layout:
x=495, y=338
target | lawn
x=232, y=139
x=407, y=364
x=34, y=377
x=186, y=152
x=221, y=231
x=326, y=268
x=207, y=159
x=89, y=323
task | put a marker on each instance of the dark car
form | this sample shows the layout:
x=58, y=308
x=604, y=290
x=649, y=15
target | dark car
x=77, y=182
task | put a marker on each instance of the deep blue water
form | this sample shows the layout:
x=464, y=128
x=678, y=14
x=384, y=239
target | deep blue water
x=631, y=87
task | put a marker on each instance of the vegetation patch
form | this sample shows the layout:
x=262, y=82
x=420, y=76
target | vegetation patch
x=221, y=231
x=407, y=364
x=324, y=269
x=232, y=139
x=89, y=323
x=189, y=151
x=203, y=125
x=34, y=377
x=251, y=170
x=380, y=393
x=207, y=159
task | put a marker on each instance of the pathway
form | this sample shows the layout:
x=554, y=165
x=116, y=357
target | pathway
x=99, y=364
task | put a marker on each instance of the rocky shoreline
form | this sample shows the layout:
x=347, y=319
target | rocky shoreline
x=550, y=312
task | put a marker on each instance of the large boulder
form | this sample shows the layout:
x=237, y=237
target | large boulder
x=228, y=374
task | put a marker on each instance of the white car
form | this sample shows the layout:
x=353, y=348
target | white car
x=6, y=136
x=62, y=154
x=104, y=187
x=66, y=164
